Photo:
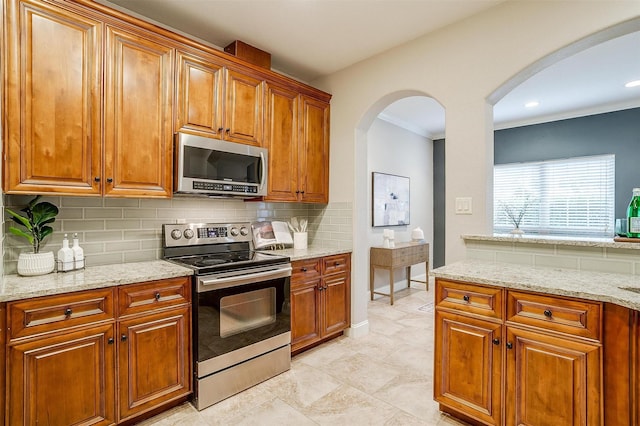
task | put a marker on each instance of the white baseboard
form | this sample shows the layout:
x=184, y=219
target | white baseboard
x=358, y=330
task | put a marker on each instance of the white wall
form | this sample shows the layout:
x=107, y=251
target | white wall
x=393, y=150
x=460, y=66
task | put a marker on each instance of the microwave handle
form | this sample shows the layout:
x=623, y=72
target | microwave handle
x=264, y=175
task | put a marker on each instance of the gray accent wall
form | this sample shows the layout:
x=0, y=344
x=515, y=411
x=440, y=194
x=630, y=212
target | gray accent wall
x=615, y=133
x=439, y=213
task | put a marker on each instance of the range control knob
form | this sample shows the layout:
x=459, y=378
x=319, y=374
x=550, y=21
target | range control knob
x=244, y=231
x=188, y=233
x=176, y=234
x=234, y=232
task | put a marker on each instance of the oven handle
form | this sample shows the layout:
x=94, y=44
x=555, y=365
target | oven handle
x=212, y=283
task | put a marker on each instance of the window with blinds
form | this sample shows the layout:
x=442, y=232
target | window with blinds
x=572, y=196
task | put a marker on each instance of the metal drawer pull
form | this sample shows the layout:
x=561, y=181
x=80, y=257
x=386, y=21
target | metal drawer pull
x=548, y=313
x=304, y=269
x=157, y=295
x=465, y=297
x=68, y=312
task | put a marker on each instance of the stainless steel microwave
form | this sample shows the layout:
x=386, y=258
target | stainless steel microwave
x=216, y=168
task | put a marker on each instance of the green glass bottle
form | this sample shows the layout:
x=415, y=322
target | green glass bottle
x=633, y=215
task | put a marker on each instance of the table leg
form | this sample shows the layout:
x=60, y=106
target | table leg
x=408, y=276
x=391, y=284
x=427, y=274
x=371, y=268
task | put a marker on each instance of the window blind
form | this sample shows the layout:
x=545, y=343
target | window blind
x=573, y=196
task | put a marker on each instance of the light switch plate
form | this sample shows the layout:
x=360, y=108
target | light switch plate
x=464, y=205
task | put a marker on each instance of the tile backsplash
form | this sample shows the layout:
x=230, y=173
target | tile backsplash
x=122, y=230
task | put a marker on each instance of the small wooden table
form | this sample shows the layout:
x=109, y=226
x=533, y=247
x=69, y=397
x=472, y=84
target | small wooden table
x=402, y=255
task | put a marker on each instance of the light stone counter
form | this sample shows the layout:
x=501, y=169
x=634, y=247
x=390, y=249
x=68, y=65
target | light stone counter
x=553, y=240
x=308, y=253
x=599, y=286
x=15, y=287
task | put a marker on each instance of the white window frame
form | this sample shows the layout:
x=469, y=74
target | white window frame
x=550, y=189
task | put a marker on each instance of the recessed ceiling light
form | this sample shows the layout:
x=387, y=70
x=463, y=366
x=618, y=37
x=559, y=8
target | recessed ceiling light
x=634, y=83
x=532, y=104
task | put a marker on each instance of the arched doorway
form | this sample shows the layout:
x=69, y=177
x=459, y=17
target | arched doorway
x=372, y=129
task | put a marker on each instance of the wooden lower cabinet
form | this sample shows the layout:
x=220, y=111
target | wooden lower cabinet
x=63, y=379
x=468, y=367
x=85, y=360
x=525, y=361
x=153, y=360
x=320, y=300
x=551, y=380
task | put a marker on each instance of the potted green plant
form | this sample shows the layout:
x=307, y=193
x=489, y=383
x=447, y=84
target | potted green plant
x=39, y=215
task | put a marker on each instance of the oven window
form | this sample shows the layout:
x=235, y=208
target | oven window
x=247, y=311
x=200, y=163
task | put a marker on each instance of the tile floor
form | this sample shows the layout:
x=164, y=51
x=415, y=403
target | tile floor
x=383, y=378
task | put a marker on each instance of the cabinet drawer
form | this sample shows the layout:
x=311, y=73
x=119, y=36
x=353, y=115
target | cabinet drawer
x=335, y=264
x=52, y=313
x=306, y=269
x=143, y=297
x=575, y=317
x=469, y=298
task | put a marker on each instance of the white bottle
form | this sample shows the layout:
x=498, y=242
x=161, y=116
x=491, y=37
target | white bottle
x=78, y=253
x=65, y=256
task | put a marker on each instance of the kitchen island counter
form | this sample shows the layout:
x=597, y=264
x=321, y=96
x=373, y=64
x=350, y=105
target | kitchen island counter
x=15, y=287
x=598, y=286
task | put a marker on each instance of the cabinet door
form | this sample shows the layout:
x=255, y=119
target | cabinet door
x=551, y=380
x=154, y=360
x=337, y=306
x=305, y=313
x=138, y=117
x=53, y=88
x=199, y=96
x=243, y=108
x=281, y=141
x=63, y=380
x=468, y=366
x=313, y=151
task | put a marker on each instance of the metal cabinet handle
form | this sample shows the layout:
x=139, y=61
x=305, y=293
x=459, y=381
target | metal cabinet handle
x=303, y=269
x=123, y=337
x=496, y=341
x=220, y=129
x=548, y=313
x=68, y=312
x=228, y=131
x=97, y=178
x=157, y=295
x=109, y=180
x=509, y=345
x=110, y=340
x=465, y=297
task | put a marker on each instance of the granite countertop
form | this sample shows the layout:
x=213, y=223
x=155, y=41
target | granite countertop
x=558, y=240
x=308, y=253
x=15, y=287
x=599, y=286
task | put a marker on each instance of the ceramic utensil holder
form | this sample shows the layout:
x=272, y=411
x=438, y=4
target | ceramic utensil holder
x=299, y=240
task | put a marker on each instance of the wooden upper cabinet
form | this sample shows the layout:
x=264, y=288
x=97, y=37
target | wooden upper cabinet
x=297, y=136
x=138, y=136
x=52, y=121
x=313, y=151
x=218, y=102
x=243, y=110
x=281, y=139
x=199, y=95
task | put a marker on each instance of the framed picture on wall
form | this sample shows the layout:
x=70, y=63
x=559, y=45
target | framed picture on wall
x=390, y=199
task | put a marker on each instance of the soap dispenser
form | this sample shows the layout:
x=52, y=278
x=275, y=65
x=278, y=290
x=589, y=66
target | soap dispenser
x=65, y=256
x=78, y=253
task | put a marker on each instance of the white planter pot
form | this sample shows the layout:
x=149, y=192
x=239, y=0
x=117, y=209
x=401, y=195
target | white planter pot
x=30, y=264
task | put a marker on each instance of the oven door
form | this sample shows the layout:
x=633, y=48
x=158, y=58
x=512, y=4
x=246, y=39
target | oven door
x=241, y=315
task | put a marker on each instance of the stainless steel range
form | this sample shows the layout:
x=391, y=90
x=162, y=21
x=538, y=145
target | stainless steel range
x=241, y=307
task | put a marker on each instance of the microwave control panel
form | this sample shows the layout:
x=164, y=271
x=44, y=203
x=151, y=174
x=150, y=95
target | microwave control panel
x=225, y=187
